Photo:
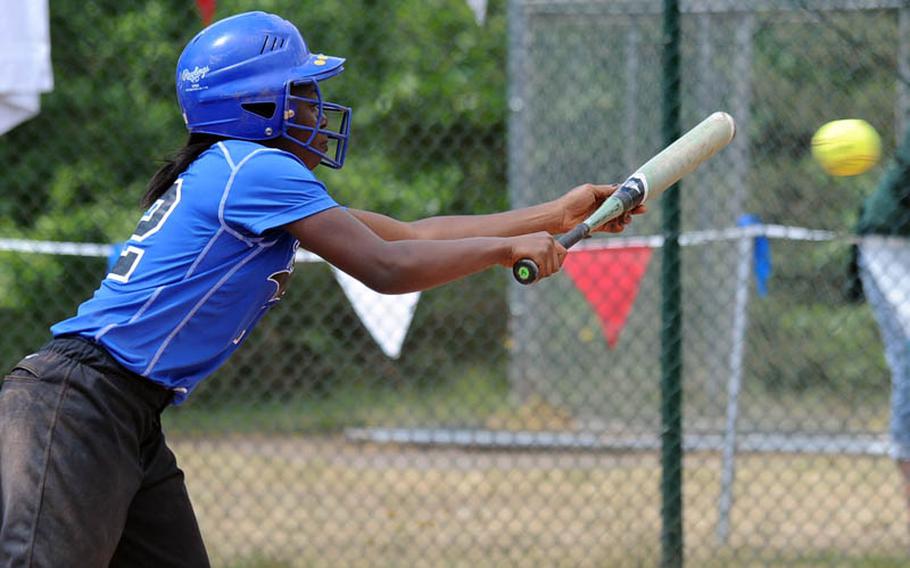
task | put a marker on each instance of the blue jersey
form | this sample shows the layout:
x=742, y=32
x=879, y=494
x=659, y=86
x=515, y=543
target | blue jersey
x=203, y=266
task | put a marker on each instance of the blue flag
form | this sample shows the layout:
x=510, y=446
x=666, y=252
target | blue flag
x=761, y=255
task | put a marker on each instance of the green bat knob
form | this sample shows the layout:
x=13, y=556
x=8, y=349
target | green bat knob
x=525, y=271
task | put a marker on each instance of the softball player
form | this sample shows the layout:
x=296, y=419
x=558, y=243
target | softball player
x=86, y=477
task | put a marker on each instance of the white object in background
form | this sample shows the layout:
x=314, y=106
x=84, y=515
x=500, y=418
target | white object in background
x=386, y=316
x=479, y=7
x=888, y=260
x=25, y=60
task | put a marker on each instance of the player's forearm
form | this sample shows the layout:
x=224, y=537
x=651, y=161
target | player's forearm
x=416, y=265
x=543, y=217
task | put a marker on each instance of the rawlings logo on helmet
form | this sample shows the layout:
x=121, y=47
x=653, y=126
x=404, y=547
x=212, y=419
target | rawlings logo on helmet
x=194, y=76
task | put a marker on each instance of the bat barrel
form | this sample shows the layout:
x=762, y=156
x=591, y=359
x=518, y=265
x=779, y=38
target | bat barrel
x=685, y=154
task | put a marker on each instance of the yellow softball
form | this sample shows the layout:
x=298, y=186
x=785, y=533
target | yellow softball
x=846, y=147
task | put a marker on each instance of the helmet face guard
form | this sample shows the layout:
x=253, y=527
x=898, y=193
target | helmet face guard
x=234, y=79
x=333, y=122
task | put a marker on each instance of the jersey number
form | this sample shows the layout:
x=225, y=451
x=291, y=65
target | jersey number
x=149, y=224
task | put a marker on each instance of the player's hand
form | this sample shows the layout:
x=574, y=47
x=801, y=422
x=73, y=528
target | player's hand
x=580, y=202
x=542, y=248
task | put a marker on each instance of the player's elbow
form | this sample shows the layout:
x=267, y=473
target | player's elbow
x=393, y=287
x=389, y=276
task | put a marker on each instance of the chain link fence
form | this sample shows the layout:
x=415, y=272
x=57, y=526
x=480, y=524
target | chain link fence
x=483, y=423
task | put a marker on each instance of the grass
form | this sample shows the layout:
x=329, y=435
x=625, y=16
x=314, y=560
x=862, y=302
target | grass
x=479, y=396
x=322, y=501
x=476, y=394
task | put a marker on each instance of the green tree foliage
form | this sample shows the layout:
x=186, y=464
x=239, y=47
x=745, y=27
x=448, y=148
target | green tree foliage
x=426, y=83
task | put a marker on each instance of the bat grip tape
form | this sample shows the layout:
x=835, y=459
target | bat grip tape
x=569, y=240
x=526, y=270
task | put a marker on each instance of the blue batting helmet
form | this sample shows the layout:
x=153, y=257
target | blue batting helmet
x=234, y=79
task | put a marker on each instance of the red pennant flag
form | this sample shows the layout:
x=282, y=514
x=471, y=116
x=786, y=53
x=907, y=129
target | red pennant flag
x=206, y=10
x=609, y=279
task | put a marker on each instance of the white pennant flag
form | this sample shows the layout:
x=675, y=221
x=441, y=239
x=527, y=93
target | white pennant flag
x=386, y=316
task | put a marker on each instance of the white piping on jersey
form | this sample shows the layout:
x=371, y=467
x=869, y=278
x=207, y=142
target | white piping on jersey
x=136, y=316
x=202, y=254
x=227, y=190
x=167, y=341
x=224, y=227
x=227, y=155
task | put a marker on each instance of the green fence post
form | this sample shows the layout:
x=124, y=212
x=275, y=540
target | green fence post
x=671, y=311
